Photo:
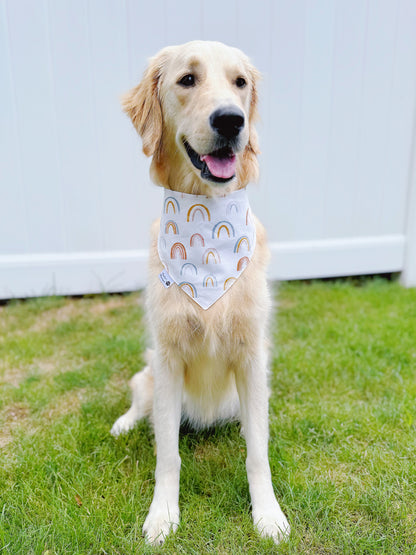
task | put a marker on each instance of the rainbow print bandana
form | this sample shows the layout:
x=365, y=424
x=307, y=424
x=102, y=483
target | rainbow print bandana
x=205, y=243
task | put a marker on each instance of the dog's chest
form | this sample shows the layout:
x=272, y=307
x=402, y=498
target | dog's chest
x=229, y=327
x=209, y=392
x=220, y=332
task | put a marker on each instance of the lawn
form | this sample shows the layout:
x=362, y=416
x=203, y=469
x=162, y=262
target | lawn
x=342, y=429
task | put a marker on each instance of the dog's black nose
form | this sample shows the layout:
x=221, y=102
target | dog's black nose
x=227, y=121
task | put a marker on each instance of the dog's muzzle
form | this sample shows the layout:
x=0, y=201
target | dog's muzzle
x=219, y=166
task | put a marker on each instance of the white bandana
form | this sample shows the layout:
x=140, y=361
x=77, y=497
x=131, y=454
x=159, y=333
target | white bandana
x=205, y=243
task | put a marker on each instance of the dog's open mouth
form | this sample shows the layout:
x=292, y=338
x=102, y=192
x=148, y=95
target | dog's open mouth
x=218, y=166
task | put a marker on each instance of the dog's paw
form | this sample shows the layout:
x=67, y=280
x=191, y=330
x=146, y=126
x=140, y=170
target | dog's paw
x=122, y=425
x=272, y=524
x=158, y=524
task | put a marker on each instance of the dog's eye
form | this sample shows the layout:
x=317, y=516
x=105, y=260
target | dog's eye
x=187, y=80
x=240, y=82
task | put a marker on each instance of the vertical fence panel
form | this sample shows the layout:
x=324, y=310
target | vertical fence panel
x=401, y=122
x=34, y=102
x=315, y=115
x=408, y=276
x=73, y=74
x=13, y=233
x=285, y=81
x=375, y=107
x=220, y=20
x=109, y=60
x=183, y=21
x=343, y=150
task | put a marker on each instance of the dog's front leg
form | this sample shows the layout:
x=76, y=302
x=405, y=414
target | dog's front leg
x=252, y=388
x=167, y=404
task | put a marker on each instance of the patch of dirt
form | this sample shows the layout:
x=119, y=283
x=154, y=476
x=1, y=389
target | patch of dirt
x=82, y=308
x=118, y=382
x=44, y=367
x=47, y=366
x=7, y=321
x=5, y=438
x=285, y=303
x=69, y=402
x=12, y=416
x=57, y=315
x=309, y=546
x=342, y=474
x=12, y=376
x=99, y=308
x=207, y=452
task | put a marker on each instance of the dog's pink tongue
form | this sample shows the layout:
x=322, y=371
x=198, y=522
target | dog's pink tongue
x=220, y=167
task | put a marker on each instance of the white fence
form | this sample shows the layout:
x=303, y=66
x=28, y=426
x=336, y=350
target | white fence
x=338, y=183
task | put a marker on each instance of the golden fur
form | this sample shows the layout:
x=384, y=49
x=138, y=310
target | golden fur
x=207, y=365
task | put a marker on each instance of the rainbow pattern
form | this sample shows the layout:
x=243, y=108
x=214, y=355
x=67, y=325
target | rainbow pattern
x=198, y=209
x=171, y=204
x=189, y=268
x=242, y=242
x=232, y=207
x=189, y=289
x=242, y=263
x=178, y=251
x=211, y=254
x=228, y=282
x=248, y=214
x=205, y=243
x=197, y=238
x=210, y=281
x=162, y=242
x=224, y=225
x=171, y=226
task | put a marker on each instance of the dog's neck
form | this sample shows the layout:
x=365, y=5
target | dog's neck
x=183, y=180
x=198, y=187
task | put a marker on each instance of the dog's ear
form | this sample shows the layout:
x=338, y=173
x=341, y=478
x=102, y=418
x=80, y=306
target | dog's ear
x=142, y=105
x=254, y=114
x=249, y=166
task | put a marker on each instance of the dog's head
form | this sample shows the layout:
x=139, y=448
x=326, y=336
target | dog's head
x=195, y=110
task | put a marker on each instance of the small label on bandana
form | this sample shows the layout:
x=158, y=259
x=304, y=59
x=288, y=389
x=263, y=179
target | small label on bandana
x=205, y=243
x=165, y=279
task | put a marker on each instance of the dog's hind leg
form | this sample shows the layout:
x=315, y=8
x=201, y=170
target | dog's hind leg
x=142, y=405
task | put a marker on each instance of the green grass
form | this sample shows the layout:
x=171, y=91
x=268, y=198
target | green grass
x=342, y=430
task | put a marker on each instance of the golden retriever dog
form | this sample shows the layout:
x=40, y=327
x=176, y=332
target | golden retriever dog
x=195, y=110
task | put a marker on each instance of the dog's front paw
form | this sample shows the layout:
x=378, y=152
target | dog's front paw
x=159, y=523
x=122, y=425
x=272, y=523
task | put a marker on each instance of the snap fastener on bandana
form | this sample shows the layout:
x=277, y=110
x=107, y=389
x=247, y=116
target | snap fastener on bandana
x=205, y=243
